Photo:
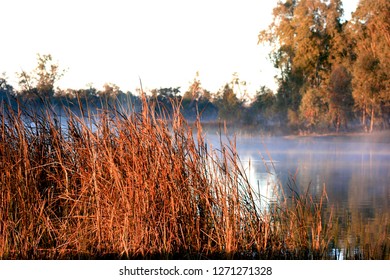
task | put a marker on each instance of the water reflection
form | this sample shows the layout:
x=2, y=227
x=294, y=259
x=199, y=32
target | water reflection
x=356, y=175
x=263, y=179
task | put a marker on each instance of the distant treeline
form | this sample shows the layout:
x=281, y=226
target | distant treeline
x=196, y=102
x=334, y=76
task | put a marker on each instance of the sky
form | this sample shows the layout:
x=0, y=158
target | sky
x=162, y=42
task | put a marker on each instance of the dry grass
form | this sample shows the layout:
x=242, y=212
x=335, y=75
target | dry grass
x=120, y=185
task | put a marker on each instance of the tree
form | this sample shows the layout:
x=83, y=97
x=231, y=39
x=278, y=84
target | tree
x=195, y=89
x=6, y=90
x=340, y=100
x=239, y=88
x=371, y=80
x=280, y=35
x=196, y=101
x=41, y=82
x=162, y=98
x=108, y=95
x=263, y=105
x=307, y=38
x=312, y=109
x=228, y=104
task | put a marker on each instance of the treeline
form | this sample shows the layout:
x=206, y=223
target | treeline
x=37, y=91
x=334, y=76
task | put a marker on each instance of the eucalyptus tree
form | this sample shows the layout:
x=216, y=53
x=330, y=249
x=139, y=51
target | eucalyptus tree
x=312, y=113
x=308, y=44
x=371, y=71
x=281, y=36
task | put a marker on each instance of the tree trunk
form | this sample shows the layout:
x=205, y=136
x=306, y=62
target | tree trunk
x=372, y=120
x=364, y=119
x=385, y=117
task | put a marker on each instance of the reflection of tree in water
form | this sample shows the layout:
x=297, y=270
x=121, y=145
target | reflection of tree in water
x=356, y=184
x=356, y=179
x=366, y=216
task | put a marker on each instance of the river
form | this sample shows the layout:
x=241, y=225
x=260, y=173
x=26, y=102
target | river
x=354, y=170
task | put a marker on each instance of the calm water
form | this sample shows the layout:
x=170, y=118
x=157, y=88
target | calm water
x=355, y=172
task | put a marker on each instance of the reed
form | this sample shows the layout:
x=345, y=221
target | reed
x=133, y=185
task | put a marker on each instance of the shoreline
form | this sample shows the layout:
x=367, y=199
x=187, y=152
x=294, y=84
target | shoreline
x=374, y=137
x=380, y=136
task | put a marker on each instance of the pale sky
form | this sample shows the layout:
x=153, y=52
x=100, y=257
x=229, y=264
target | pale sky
x=165, y=42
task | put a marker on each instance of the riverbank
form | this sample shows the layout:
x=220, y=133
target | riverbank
x=382, y=136
x=374, y=137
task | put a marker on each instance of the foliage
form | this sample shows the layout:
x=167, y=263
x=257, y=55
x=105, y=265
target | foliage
x=311, y=109
x=263, y=109
x=6, y=90
x=307, y=37
x=340, y=100
x=197, y=102
x=228, y=104
x=371, y=80
x=41, y=82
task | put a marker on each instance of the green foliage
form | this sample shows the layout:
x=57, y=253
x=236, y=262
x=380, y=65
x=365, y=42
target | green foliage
x=263, y=107
x=228, y=104
x=264, y=101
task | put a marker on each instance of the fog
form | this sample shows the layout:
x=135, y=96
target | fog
x=355, y=170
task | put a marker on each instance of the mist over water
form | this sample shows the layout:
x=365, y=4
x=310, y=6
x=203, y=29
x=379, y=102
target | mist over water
x=354, y=170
